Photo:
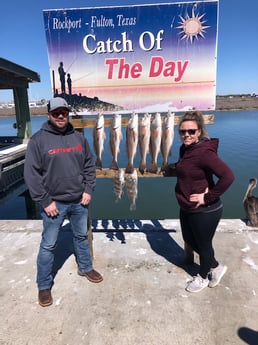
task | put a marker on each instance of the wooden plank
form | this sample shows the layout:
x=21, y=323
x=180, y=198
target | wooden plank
x=90, y=123
x=110, y=173
x=90, y=236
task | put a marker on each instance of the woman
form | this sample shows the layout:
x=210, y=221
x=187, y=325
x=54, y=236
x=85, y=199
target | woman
x=199, y=196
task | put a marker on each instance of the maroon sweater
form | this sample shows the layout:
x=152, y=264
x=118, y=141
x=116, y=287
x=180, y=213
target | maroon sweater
x=195, y=169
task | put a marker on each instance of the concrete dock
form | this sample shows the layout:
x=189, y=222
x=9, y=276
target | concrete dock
x=142, y=299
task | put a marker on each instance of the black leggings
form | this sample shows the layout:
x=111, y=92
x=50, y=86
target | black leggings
x=198, y=230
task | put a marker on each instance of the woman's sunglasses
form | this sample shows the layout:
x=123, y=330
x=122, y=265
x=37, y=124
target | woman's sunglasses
x=189, y=131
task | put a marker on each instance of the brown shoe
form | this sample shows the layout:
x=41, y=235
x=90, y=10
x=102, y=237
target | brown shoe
x=93, y=276
x=45, y=298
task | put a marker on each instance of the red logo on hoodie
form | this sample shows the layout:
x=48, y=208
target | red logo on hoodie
x=65, y=150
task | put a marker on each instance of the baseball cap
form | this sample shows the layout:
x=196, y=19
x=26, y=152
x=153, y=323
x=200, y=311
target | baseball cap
x=57, y=102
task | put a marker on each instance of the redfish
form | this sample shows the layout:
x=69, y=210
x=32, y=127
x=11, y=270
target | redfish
x=99, y=137
x=155, y=142
x=131, y=141
x=144, y=140
x=167, y=138
x=115, y=138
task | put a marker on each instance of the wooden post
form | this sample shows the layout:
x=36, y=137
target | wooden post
x=188, y=254
x=90, y=236
x=22, y=111
x=32, y=208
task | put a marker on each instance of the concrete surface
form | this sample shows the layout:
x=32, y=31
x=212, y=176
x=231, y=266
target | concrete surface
x=142, y=299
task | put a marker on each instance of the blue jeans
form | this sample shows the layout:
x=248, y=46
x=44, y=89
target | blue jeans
x=77, y=215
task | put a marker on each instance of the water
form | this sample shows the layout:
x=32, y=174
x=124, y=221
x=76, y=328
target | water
x=238, y=134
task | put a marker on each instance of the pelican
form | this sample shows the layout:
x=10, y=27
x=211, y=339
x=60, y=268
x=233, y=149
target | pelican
x=251, y=203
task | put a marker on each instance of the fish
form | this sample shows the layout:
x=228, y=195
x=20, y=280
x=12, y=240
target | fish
x=144, y=140
x=131, y=141
x=131, y=184
x=115, y=139
x=99, y=137
x=118, y=184
x=167, y=138
x=155, y=142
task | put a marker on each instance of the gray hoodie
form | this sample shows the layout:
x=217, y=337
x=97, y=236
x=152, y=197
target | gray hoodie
x=59, y=166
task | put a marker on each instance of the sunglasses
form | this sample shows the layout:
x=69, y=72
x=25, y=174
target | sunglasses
x=189, y=131
x=64, y=113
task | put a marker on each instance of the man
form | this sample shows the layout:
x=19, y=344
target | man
x=62, y=76
x=60, y=174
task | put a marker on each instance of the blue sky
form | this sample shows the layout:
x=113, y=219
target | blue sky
x=23, y=41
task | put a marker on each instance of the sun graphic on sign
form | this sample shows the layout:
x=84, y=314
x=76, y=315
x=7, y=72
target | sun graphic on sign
x=192, y=27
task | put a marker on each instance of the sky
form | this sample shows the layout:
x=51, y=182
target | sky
x=23, y=41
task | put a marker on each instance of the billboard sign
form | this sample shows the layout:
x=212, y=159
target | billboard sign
x=155, y=57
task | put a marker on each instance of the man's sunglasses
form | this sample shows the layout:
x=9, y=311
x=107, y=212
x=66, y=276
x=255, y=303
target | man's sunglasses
x=64, y=113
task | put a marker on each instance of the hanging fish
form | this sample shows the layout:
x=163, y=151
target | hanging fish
x=167, y=138
x=131, y=141
x=144, y=140
x=114, y=140
x=131, y=183
x=99, y=137
x=155, y=142
x=118, y=184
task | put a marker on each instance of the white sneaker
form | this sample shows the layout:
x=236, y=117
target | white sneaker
x=197, y=284
x=216, y=275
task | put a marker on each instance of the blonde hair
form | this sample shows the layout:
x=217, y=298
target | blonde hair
x=197, y=117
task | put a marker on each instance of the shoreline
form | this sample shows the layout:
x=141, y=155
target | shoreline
x=223, y=103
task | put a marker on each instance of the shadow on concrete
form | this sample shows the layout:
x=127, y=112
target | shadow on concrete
x=126, y=225
x=163, y=244
x=160, y=239
x=248, y=335
x=64, y=248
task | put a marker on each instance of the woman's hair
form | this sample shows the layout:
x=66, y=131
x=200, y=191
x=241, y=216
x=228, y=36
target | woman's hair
x=198, y=118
